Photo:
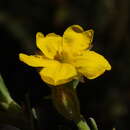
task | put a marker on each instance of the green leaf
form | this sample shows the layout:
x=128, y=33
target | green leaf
x=5, y=97
x=114, y=129
x=6, y=102
x=82, y=125
x=75, y=83
x=93, y=124
x=10, y=112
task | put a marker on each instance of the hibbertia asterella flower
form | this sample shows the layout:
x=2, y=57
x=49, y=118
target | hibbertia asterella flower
x=67, y=57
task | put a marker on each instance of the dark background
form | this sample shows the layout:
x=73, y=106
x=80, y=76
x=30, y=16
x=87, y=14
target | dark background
x=107, y=98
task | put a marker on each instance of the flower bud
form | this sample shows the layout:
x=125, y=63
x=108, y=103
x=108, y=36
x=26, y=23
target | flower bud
x=66, y=102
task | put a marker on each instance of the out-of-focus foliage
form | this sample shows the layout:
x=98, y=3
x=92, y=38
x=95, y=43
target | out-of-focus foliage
x=106, y=99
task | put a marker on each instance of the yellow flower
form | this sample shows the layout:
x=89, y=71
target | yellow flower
x=66, y=58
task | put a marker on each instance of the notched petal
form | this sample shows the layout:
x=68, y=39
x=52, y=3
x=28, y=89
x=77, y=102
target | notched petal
x=75, y=39
x=58, y=74
x=31, y=60
x=49, y=45
x=91, y=64
x=37, y=60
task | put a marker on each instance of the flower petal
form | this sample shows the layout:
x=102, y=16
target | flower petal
x=91, y=64
x=36, y=60
x=58, y=74
x=49, y=45
x=75, y=39
x=39, y=40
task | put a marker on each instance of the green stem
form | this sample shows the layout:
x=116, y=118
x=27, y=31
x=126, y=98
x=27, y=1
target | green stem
x=31, y=119
x=5, y=97
x=82, y=125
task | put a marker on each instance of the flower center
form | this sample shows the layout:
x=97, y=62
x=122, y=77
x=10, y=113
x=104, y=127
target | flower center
x=59, y=57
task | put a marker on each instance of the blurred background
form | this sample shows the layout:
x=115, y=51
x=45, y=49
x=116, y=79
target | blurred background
x=107, y=98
